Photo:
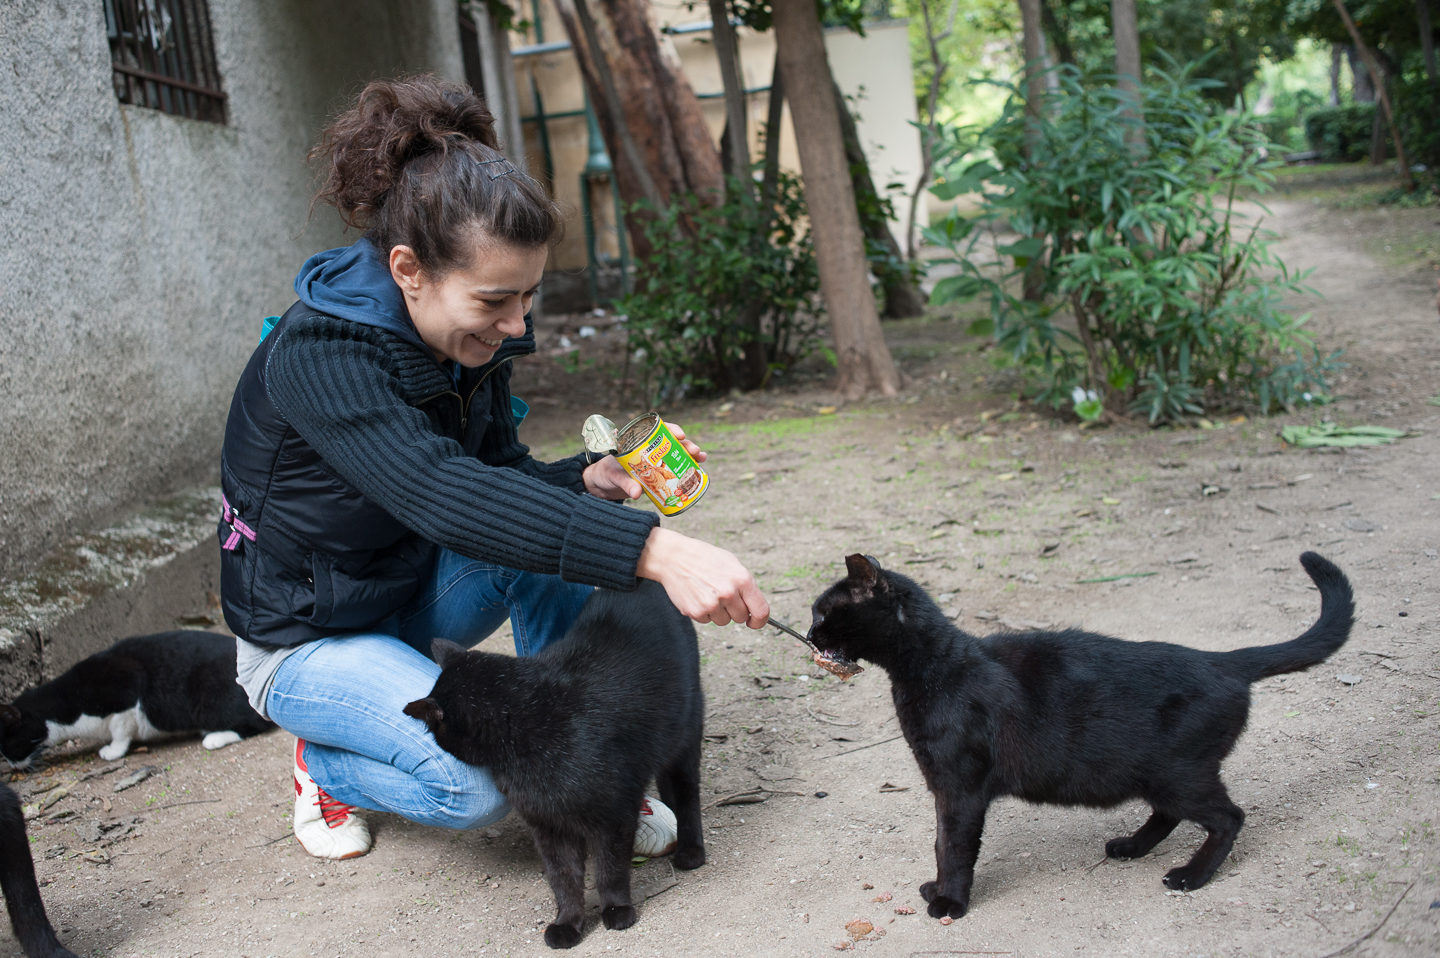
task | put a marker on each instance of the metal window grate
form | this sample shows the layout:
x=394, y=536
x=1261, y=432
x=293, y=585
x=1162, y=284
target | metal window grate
x=164, y=58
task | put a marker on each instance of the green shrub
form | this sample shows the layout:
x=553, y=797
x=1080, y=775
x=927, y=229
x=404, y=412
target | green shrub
x=729, y=304
x=1418, y=102
x=1341, y=134
x=1175, y=301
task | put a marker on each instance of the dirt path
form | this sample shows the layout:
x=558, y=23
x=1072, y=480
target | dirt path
x=1001, y=515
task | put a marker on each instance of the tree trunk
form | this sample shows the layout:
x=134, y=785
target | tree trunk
x=1034, y=47
x=1406, y=180
x=727, y=50
x=1362, y=86
x=1059, y=39
x=652, y=122
x=860, y=350
x=1336, y=52
x=1427, y=37
x=498, y=70
x=774, y=113
x=931, y=134
x=1126, y=31
x=902, y=299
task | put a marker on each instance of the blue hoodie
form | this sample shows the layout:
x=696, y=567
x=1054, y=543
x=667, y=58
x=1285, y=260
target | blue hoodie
x=354, y=282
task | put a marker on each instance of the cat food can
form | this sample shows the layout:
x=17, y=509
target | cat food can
x=652, y=455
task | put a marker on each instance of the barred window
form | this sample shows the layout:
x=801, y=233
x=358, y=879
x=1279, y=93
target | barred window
x=164, y=58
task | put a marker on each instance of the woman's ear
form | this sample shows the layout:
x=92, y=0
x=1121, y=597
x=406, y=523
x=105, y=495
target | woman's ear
x=405, y=269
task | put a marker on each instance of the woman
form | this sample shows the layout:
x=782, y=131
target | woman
x=377, y=494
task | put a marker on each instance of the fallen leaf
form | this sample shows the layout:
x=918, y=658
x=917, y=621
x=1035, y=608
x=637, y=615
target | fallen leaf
x=826, y=410
x=1184, y=558
x=904, y=910
x=135, y=778
x=866, y=886
x=987, y=616
x=858, y=928
x=1005, y=477
x=946, y=920
x=1348, y=679
x=883, y=897
x=1110, y=501
x=887, y=787
x=747, y=477
x=1084, y=512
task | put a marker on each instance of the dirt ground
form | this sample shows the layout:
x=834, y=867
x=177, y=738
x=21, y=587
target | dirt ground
x=1003, y=511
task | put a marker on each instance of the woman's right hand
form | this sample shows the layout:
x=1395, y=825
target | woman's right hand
x=706, y=583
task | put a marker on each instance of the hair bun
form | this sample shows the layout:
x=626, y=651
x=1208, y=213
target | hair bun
x=392, y=123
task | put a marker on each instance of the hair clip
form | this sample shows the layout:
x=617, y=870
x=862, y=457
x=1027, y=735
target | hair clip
x=505, y=172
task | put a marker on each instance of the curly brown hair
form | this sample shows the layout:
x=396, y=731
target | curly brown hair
x=415, y=162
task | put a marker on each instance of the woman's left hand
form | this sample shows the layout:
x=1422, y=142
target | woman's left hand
x=607, y=479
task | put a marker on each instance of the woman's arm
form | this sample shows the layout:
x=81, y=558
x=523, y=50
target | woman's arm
x=336, y=386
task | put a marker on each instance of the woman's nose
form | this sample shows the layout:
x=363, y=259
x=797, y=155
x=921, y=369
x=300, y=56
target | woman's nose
x=513, y=322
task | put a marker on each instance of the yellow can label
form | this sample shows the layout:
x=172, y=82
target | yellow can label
x=670, y=477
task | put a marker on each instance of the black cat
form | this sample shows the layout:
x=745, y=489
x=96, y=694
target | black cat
x=1068, y=718
x=142, y=688
x=17, y=881
x=574, y=734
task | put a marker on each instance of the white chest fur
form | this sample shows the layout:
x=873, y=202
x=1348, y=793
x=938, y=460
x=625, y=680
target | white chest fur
x=121, y=728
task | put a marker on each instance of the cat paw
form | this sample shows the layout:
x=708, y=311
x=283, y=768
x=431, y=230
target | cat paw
x=1124, y=848
x=617, y=917
x=114, y=751
x=927, y=890
x=1185, y=878
x=688, y=858
x=219, y=740
x=562, y=936
x=942, y=907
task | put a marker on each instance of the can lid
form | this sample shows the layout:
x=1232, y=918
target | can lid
x=599, y=435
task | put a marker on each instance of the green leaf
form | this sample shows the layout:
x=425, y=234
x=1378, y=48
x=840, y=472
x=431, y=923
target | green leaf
x=1027, y=248
x=1107, y=194
x=981, y=327
x=956, y=289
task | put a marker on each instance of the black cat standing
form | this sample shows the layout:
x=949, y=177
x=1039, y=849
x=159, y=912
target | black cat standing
x=574, y=734
x=1065, y=718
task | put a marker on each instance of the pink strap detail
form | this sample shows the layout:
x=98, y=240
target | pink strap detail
x=238, y=527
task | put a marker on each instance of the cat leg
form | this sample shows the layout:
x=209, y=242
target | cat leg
x=123, y=726
x=612, y=872
x=219, y=740
x=1221, y=819
x=564, y=859
x=958, y=824
x=1155, y=830
x=679, y=786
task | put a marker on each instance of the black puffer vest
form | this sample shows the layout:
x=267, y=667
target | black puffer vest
x=305, y=555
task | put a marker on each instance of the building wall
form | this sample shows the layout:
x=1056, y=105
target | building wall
x=875, y=70
x=143, y=250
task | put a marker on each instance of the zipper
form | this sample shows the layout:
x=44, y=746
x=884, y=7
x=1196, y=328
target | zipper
x=465, y=404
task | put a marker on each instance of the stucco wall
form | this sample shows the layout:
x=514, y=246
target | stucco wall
x=142, y=250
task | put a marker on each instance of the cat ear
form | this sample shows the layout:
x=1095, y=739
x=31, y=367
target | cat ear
x=9, y=715
x=426, y=710
x=864, y=571
x=443, y=651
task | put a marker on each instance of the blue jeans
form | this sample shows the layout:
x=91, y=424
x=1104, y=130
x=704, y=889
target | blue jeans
x=346, y=695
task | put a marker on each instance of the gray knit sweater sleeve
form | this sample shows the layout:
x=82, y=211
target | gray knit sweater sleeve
x=343, y=394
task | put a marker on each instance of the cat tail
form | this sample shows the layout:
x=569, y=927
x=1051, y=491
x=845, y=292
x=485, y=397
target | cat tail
x=1319, y=642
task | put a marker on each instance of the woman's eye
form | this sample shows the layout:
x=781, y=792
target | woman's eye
x=493, y=303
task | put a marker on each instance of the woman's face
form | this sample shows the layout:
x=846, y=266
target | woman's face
x=466, y=314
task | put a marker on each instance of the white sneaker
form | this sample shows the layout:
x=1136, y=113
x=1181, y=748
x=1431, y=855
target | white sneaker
x=325, y=827
x=656, y=834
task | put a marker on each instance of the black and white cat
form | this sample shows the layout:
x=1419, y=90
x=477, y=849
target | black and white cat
x=574, y=734
x=17, y=881
x=1065, y=718
x=140, y=689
